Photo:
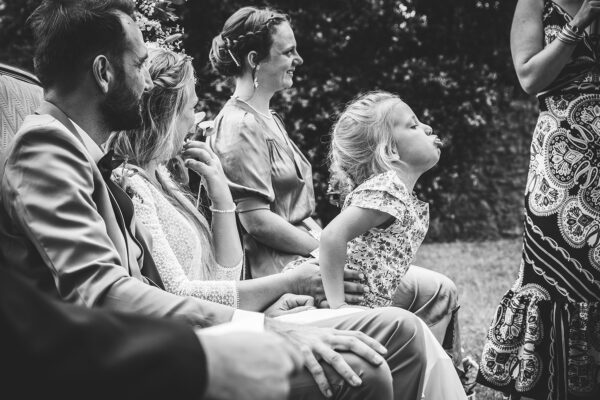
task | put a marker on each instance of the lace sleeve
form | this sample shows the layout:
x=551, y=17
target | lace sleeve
x=171, y=271
x=234, y=273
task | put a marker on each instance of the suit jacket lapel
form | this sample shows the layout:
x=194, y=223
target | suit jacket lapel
x=149, y=269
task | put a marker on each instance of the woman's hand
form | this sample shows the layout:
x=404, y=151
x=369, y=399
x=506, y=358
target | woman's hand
x=589, y=11
x=306, y=279
x=202, y=160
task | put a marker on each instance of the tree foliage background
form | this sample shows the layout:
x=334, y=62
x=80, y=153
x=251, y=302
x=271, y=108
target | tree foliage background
x=449, y=60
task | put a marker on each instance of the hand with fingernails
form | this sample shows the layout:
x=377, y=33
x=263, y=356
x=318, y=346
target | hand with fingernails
x=200, y=158
x=324, y=344
x=306, y=279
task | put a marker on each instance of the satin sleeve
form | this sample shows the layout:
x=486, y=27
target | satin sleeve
x=241, y=145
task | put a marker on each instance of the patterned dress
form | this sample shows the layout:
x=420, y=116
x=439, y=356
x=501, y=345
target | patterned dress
x=383, y=255
x=544, y=341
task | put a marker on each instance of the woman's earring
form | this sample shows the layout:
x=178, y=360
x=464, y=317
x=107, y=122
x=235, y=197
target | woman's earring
x=256, y=76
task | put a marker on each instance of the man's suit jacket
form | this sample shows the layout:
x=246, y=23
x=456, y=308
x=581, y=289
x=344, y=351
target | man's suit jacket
x=53, y=350
x=62, y=227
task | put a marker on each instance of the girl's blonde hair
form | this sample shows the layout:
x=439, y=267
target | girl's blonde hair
x=162, y=106
x=362, y=142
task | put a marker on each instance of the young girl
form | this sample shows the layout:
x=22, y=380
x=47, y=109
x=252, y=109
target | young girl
x=379, y=149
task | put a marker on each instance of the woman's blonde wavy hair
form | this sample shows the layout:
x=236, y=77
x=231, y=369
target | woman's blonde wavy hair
x=162, y=106
x=171, y=74
x=362, y=143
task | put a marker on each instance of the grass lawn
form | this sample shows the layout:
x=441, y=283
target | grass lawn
x=482, y=272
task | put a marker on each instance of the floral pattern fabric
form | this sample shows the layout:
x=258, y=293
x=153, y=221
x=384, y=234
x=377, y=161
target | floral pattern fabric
x=544, y=341
x=384, y=255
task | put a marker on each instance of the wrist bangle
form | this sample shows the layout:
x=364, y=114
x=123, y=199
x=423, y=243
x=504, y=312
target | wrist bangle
x=219, y=211
x=570, y=35
x=575, y=29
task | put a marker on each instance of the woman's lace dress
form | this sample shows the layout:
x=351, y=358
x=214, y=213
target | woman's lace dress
x=544, y=341
x=176, y=245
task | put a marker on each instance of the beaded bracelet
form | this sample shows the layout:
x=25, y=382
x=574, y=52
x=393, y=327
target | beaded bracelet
x=218, y=211
x=569, y=35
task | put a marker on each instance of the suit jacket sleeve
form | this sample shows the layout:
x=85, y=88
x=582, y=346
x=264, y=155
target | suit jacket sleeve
x=49, y=186
x=57, y=350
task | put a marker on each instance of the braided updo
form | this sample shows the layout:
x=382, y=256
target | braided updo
x=248, y=29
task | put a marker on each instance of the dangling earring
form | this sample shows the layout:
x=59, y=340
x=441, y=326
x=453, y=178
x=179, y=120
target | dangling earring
x=255, y=73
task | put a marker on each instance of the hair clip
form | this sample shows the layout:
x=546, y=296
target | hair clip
x=228, y=45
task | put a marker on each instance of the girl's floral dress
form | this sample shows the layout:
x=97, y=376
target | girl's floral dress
x=383, y=254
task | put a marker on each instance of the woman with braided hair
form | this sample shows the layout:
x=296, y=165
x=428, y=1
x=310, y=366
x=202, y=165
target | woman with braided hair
x=270, y=179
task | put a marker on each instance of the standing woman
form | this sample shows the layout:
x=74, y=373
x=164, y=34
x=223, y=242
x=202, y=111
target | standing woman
x=544, y=341
x=270, y=179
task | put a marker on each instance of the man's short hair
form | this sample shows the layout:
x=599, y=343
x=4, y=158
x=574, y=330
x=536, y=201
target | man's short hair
x=69, y=34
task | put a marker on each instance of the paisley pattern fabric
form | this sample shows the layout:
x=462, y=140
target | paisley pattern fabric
x=544, y=341
x=384, y=255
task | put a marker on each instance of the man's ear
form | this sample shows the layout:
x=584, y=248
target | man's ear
x=252, y=58
x=103, y=72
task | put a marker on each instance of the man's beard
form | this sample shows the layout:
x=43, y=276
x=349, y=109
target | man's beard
x=121, y=107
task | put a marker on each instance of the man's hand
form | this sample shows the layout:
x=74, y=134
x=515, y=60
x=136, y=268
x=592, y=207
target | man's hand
x=306, y=279
x=232, y=361
x=289, y=304
x=321, y=344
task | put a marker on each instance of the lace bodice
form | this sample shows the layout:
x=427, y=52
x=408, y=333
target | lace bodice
x=176, y=246
x=384, y=255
